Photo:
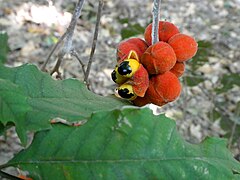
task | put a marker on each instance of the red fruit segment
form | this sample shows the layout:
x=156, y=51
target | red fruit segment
x=163, y=88
x=134, y=44
x=141, y=101
x=165, y=32
x=178, y=69
x=139, y=81
x=184, y=46
x=159, y=58
x=140, y=43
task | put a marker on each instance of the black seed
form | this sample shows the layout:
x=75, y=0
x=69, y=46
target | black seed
x=124, y=68
x=124, y=93
x=114, y=76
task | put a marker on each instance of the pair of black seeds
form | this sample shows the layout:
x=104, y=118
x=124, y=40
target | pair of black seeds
x=123, y=69
x=124, y=93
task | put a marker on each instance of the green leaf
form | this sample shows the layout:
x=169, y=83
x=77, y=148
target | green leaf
x=193, y=80
x=131, y=143
x=214, y=114
x=30, y=98
x=227, y=125
x=228, y=81
x=3, y=47
x=123, y=20
x=13, y=106
x=132, y=30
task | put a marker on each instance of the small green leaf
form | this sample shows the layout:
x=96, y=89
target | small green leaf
x=227, y=125
x=3, y=47
x=229, y=122
x=214, y=115
x=30, y=98
x=132, y=30
x=131, y=143
x=123, y=20
x=228, y=81
x=193, y=80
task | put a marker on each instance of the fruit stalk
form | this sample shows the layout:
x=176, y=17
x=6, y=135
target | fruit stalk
x=156, y=17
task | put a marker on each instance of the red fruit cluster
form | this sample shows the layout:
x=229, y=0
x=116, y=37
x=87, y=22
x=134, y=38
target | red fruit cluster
x=164, y=62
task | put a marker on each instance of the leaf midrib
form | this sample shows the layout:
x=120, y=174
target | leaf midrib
x=204, y=159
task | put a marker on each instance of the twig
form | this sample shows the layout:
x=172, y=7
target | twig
x=156, y=17
x=76, y=55
x=66, y=38
x=236, y=114
x=60, y=40
x=100, y=6
x=232, y=134
x=185, y=101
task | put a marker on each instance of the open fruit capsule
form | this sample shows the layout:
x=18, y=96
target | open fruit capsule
x=126, y=69
x=132, y=78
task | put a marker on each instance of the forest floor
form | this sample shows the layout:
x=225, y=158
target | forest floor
x=34, y=26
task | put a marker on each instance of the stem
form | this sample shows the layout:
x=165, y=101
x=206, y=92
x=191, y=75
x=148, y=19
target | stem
x=60, y=40
x=232, y=134
x=156, y=17
x=236, y=114
x=66, y=38
x=76, y=55
x=100, y=6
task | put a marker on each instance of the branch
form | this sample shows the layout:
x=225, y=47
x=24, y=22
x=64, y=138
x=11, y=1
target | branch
x=156, y=17
x=60, y=40
x=100, y=6
x=76, y=55
x=66, y=38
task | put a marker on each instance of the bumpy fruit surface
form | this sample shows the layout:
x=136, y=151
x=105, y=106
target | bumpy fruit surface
x=140, y=81
x=141, y=101
x=178, y=69
x=165, y=31
x=140, y=43
x=163, y=88
x=159, y=58
x=184, y=46
x=133, y=44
